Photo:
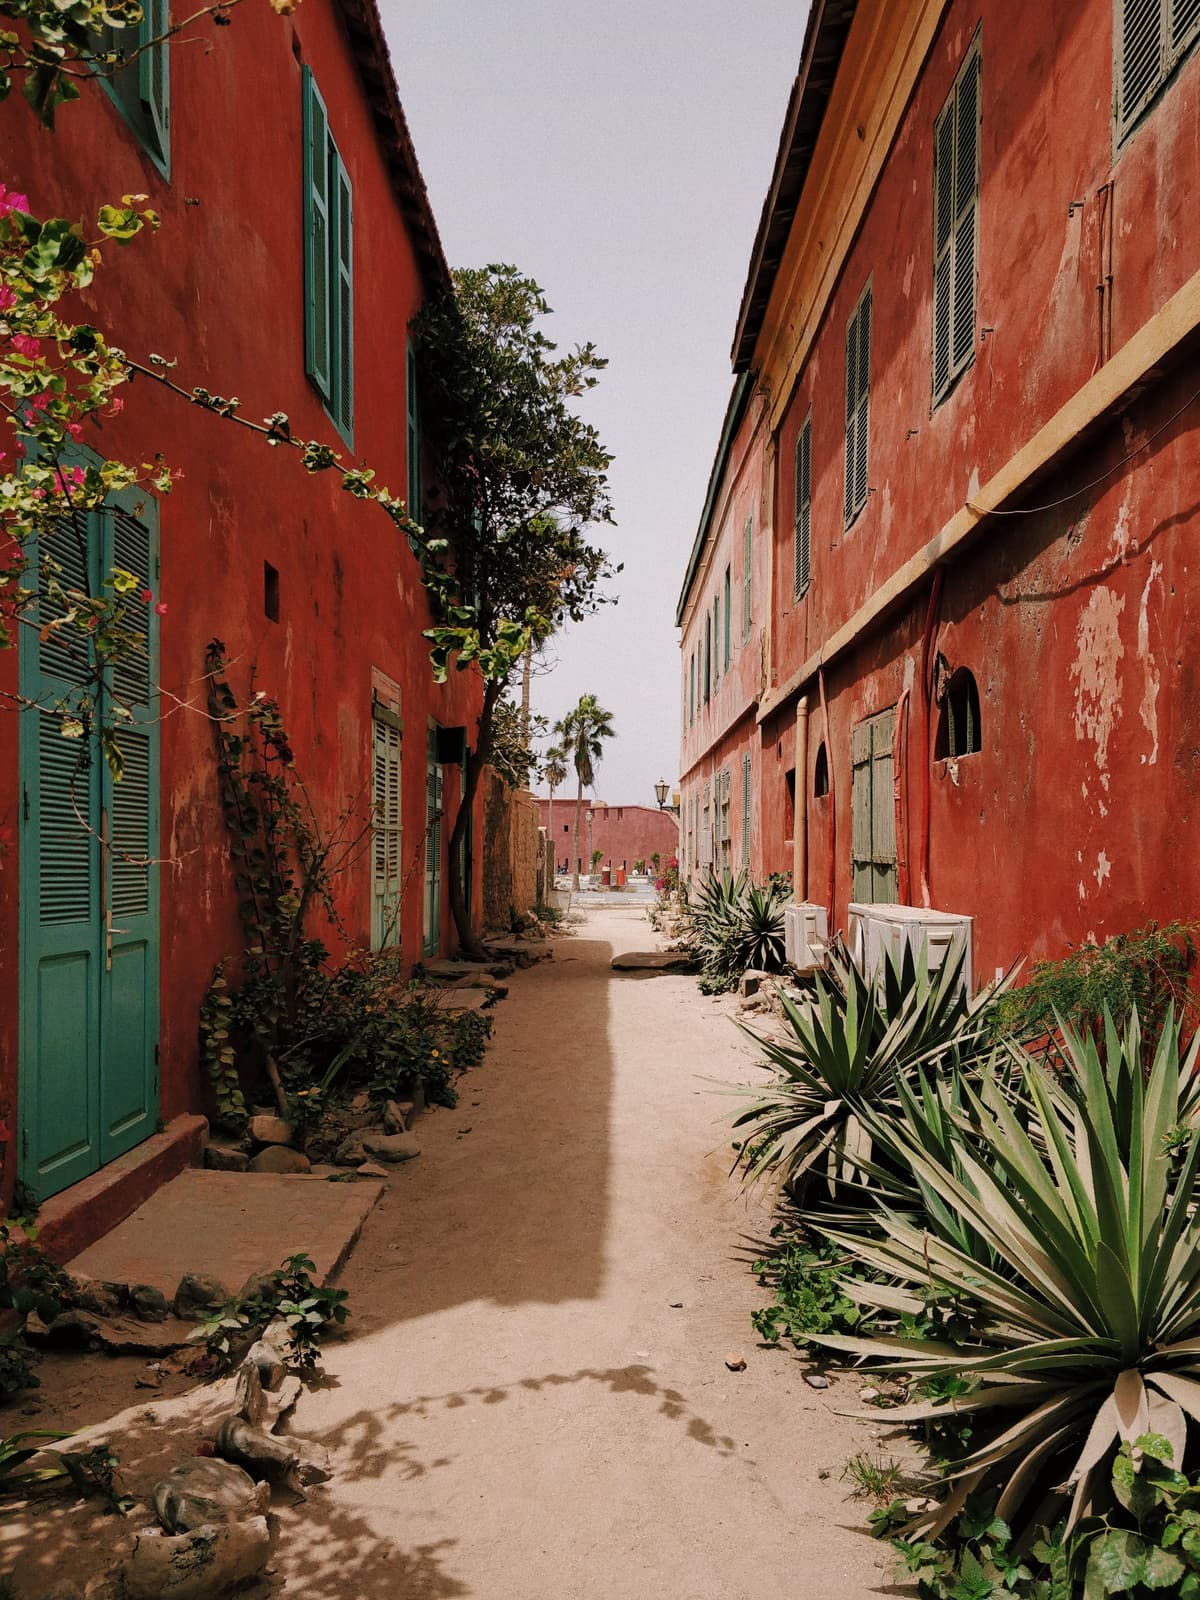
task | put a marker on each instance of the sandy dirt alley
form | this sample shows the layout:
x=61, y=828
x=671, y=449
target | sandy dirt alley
x=522, y=1413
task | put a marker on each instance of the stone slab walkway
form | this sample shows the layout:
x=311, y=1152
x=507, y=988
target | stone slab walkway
x=534, y=1402
x=230, y=1225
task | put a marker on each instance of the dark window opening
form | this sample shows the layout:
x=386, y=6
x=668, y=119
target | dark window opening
x=270, y=591
x=821, y=772
x=958, y=731
x=789, y=804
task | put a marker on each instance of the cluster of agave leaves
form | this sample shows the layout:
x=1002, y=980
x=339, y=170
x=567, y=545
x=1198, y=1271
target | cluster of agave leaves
x=1058, y=1207
x=738, y=924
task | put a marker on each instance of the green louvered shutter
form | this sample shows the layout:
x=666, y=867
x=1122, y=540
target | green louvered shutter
x=858, y=406
x=317, y=340
x=747, y=577
x=154, y=75
x=716, y=625
x=803, y=512
x=1152, y=38
x=746, y=809
x=728, y=608
x=956, y=162
x=343, y=400
x=385, y=826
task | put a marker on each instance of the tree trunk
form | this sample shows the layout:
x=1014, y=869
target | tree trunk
x=469, y=939
x=578, y=811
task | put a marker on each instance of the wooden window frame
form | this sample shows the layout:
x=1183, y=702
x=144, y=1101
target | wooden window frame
x=956, y=224
x=858, y=406
x=802, y=516
x=141, y=91
x=328, y=267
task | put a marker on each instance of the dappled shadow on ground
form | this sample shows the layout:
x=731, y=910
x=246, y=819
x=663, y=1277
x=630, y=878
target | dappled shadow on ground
x=332, y=1551
x=510, y=1201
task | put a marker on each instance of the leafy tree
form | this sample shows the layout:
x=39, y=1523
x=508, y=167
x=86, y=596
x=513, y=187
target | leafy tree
x=521, y=479
x=583, y=731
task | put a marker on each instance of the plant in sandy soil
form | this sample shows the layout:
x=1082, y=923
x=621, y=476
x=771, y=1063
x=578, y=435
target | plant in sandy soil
x=28, y=1282
x=1146, y=970
x=878, y=1478
x=1087, y=1332
x=291, y=1296
x=736, y=924
x=852, y=1042
x=809, y=1293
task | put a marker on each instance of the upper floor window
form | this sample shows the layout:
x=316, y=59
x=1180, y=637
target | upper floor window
x=328, y=265
x=956, y=144
x=728, y=605
x=716, y=672
x=142, y=90
x=707, y=658
x=803, y=513
x=1152, y=37
x=858, y=405
x=747, y=571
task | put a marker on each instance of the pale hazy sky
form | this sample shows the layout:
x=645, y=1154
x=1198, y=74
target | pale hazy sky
x=618, y=153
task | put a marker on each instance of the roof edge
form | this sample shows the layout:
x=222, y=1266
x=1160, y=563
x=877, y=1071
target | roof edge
x=824, y=40
x=734, y=412
x=364, y=28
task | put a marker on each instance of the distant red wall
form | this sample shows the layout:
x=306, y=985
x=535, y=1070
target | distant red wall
x=624, y=834
x=221, y=288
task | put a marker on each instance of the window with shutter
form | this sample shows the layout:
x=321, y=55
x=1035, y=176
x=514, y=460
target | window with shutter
x=707, y=658
x=803, y=511
x=728, y=605
x=385, y=826
x=328, y=265
x=747, y=570
x=1152, y=37
x=746, y=809
x=858, y=405
x=956, y=155
x=142, y=88
x=716, y=673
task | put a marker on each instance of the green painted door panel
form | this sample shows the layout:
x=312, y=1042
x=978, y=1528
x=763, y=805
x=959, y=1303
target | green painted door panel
x=88, y=894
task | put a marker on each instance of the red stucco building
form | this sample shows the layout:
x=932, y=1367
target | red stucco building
x=296, y=244
x=958, y=480
x=622, y=834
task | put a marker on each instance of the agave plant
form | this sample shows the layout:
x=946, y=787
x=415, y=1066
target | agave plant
x=760, y=916
x=852, y=1044
x=1090, y=1320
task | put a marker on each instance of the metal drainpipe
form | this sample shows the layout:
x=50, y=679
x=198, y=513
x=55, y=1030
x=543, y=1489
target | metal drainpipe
x=800, y=820
x=931, y=621
x=832, y=800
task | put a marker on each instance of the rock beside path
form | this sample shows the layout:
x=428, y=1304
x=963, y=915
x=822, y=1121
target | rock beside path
x=280, y=1158
x=207, y=1490
x=393, y=1147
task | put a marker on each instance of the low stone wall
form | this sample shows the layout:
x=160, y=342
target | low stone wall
x=513, y=852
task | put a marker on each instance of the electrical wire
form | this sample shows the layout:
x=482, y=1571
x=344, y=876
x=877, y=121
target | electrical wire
x=1051, y=505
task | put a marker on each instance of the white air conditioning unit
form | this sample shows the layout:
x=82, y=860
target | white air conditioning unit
x=873, y=929
x=806, y=935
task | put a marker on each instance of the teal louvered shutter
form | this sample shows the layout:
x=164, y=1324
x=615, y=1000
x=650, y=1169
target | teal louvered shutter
x=154, y=74
x=343, y=399
x=317, y=340
x=803, y=512
x=747, y=577
x=728, y=608
x=412, y=404
x=707, y=658
x=858, y=406
x=130, y=825
x=716, y=625
x=943, y=240
x=966, y=211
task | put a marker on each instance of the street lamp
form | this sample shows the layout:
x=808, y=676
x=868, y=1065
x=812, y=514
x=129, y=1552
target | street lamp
x=660, y=793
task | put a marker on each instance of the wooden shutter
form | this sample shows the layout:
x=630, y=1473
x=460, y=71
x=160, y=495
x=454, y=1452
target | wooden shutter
x=386, y=823
x=803, y=515
x=154, y=75
x=1152, y=36
x=956, y=160
x=716, y=670
x=343, y=298
x=1183, y=24
x=746, y=809
x=858, y=406
x=728, y=604
x=316, y=237
x=414, y=488
x=707, y=658
x=747, y=575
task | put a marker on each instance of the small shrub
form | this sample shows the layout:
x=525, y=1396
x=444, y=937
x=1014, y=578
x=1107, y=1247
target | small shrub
x=305, y=1307
x=809, y=1297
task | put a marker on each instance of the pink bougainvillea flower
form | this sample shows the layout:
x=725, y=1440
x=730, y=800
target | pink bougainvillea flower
x=117, y=407
x=11, y=201
x=161, y=608
x=8, y=297
x=70, y=478
x=146, y=596
x=75, y=429
x=26, y=345
x=38, y=402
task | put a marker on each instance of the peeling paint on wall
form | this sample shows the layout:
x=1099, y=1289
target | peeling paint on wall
x=1152, y=678
x=1097, y=674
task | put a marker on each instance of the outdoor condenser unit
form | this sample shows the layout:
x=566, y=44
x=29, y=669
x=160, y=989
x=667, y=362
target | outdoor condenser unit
x=873, y=928
x=805, y=934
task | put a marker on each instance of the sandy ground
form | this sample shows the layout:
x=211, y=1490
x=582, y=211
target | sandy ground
x=523, y=1413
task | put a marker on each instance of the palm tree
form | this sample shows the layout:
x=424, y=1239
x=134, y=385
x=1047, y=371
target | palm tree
x=582, y=732
x=554, y=771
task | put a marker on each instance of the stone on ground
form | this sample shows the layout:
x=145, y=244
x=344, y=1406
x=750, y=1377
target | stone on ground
x=270, y=1130
x=652, y=961
x=207, y=1490
x=225, y=1158
x=201, y=1565
x=280, y=1158
x=392, y=1146
x=199, y=1292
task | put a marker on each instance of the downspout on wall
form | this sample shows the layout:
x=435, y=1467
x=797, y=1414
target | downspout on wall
x=800, y=822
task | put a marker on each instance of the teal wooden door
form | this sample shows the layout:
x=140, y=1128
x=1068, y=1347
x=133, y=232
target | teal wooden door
x=874, y=875
x=88, y=888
